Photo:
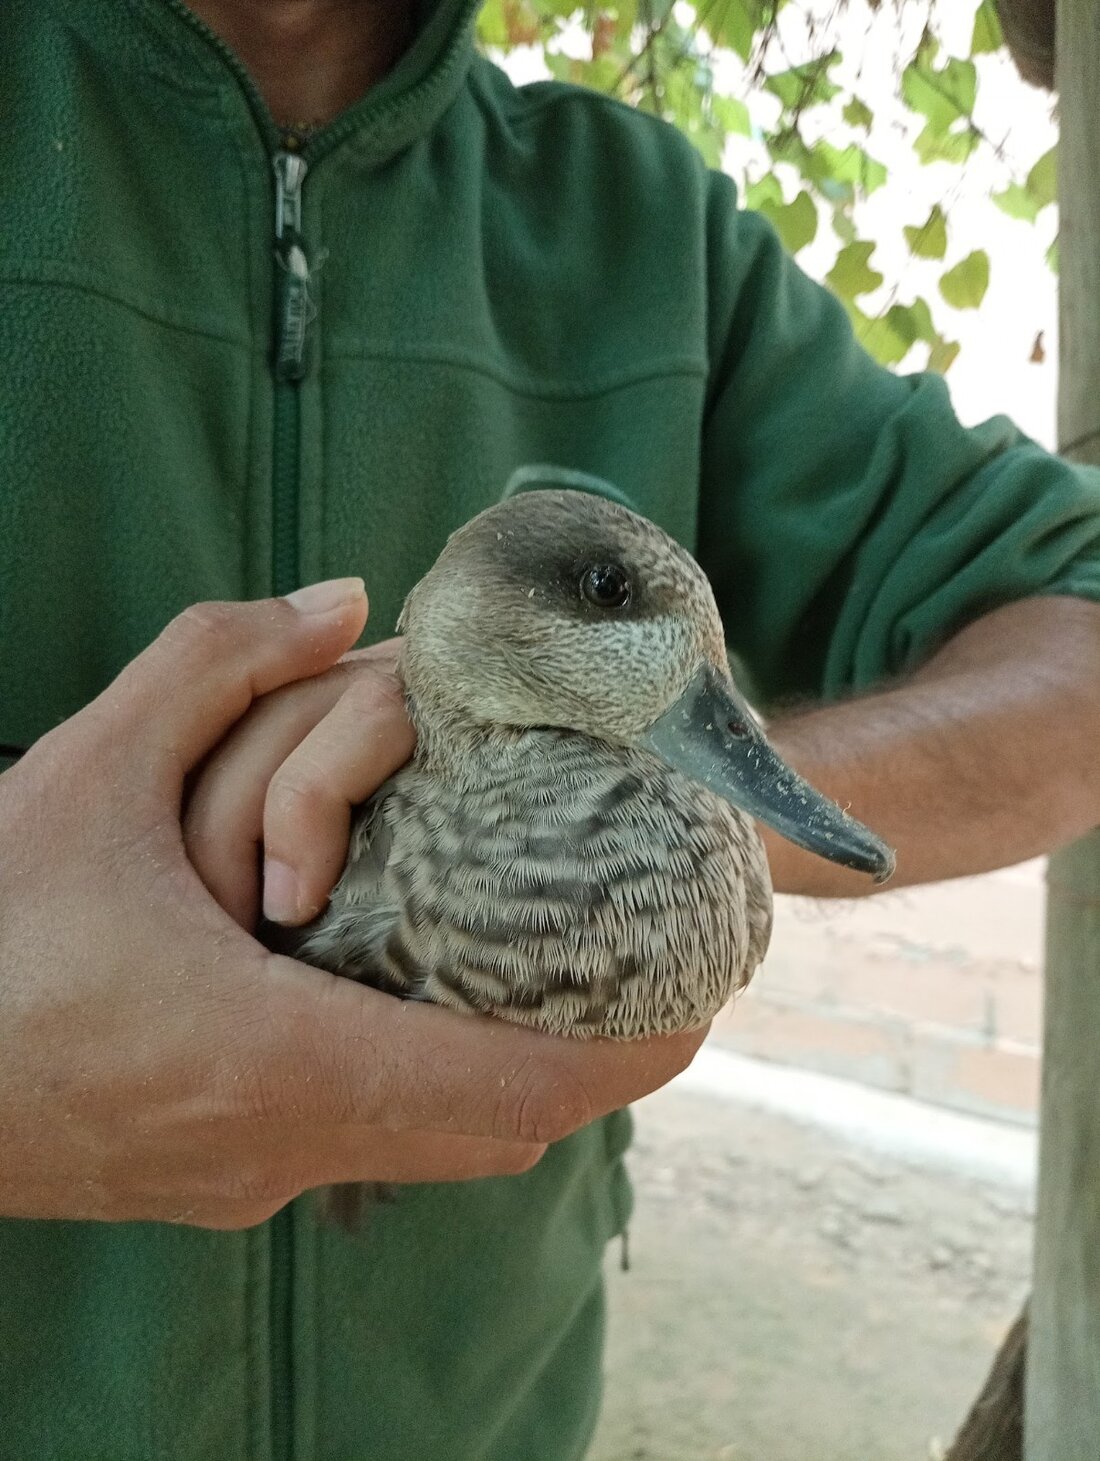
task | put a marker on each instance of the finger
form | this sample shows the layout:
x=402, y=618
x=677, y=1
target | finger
x=224, y=817
x=351, y=1056
x=180, y=696
x=385, y=656
x=364, y=739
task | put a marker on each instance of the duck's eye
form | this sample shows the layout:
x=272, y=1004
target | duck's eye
x=606, y=585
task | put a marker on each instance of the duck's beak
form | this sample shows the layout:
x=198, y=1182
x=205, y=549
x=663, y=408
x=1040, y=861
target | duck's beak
x=711, y=735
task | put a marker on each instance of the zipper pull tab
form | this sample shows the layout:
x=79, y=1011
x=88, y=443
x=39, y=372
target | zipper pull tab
x=293, y=305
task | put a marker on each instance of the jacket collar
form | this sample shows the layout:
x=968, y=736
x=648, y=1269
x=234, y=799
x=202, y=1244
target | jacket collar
x=172, y=48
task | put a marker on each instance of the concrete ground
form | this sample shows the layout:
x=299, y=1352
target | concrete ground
x=797, y=1296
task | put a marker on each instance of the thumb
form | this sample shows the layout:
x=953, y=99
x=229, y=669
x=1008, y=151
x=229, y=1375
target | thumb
x=180, y=696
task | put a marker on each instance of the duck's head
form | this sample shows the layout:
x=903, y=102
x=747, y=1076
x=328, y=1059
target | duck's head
x=563, y=609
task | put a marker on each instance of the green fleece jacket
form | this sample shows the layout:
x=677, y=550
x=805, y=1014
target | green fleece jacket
x=228, y=371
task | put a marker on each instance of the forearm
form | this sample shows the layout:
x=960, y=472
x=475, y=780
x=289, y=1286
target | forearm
x=988, y=755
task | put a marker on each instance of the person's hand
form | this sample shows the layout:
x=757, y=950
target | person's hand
x=155, y=1061
x=274, y=800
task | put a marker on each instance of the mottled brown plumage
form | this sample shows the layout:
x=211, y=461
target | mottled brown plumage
x=551, y=855
x=555, y=881
x=533, y=861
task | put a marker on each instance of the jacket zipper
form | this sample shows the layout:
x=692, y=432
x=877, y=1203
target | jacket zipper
x=292, y=301
x=293, y=315
x=293, y=309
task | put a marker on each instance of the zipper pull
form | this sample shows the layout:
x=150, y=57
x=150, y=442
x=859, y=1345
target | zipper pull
x=293, y=304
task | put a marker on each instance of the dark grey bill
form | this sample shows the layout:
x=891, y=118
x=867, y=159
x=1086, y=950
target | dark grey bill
x=710, y=735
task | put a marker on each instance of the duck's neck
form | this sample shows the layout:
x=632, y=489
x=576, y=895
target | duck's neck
x=459, y=748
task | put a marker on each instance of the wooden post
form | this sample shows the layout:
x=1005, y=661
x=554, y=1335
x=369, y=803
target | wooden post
x=1063, y=1369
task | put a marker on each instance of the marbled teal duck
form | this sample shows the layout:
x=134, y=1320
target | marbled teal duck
x=573, y=846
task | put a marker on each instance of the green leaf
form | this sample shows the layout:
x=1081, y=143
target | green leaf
x=733, y=23
x=942, y=96
x=929, y=239
x=852, y=165
x=834, y=171
x=492, y=29
x=737, y=23
x=561, y=67
x=928, y=48
x=1017, y=202
x=901, y=321
x=659, y=11
x=805, y=86
x=956, y=147
x=922, y=314
x=732, y=115
x=858, y=114
x=878, y=337
x=1052, y=257
x=943, y=354
x=796, y=223
x=851, y=274
x=626, y=18
x=1042, y=180
x=912, y=322
x=843, y=226
x=1026, y=200
x=787, y=146
x=767, y=191
x=964, y=286
x=957, y=83
x=708, y=145
x=683, y=101
x=987, y=30
x=599, y=75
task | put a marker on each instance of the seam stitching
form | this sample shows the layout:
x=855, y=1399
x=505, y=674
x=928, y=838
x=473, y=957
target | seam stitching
x=560, y=389
x=61, y=277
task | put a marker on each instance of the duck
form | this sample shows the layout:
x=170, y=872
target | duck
x=573, y=846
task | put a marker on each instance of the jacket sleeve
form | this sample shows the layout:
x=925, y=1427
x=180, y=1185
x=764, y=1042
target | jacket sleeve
x=848, y=522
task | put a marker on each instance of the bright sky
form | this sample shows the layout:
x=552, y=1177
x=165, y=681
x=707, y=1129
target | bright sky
x=995, y=372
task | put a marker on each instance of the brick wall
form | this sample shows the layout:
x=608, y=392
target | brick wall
x=933, y=992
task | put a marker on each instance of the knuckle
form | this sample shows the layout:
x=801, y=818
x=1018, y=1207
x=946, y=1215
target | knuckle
x=372, y=689
x=204, y=626
x=200, y=637
x=297, y=792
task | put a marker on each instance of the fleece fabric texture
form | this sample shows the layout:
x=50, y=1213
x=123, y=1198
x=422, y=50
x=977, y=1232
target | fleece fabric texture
x=495, y=276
